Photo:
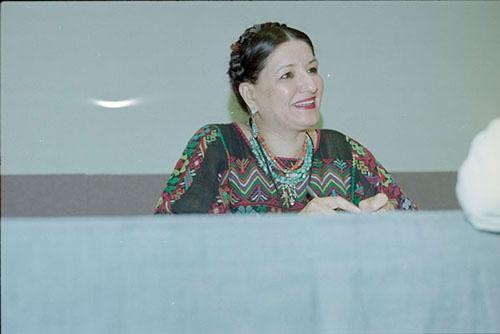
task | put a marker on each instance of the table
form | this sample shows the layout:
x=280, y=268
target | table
x=397, y=272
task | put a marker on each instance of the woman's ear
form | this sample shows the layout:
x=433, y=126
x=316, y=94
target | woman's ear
x=247, y=92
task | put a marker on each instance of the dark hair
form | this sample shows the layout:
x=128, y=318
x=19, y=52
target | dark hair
x=250, y=52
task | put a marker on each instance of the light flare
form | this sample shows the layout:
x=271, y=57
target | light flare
x=116, y=104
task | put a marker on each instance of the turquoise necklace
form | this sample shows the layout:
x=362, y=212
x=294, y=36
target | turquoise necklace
x=285, y=180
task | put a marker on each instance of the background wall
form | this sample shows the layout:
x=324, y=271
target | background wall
x=414, y=81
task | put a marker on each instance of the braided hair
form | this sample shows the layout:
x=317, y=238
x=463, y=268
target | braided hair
x=250, y=52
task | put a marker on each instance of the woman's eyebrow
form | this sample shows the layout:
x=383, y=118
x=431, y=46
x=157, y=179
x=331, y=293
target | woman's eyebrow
x=291, y=65
x=284, y=66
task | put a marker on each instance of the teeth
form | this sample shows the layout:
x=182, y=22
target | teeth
x=305, y=104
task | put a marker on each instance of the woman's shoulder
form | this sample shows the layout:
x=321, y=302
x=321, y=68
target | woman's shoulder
x=206, y=136
x=332, y=134
x=337, y=142
x=335, y=138
x=339, y=138
x=222, y=133
x=216, y=127
x=212, y=130
x=223, y=130
x=332, y=144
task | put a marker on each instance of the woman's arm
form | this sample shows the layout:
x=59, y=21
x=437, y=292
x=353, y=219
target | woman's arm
x=378, y=178
x=195, y=184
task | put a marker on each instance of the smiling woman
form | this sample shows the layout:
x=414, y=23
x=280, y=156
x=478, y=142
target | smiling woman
x=277, y=162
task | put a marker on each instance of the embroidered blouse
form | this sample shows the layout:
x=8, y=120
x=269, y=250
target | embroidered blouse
x=218, y=173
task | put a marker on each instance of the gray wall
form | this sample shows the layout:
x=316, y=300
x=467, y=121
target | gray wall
x=414, y=81
x=89, y=195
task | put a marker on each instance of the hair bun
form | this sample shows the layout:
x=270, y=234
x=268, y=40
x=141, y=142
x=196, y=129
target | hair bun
x=236, y=47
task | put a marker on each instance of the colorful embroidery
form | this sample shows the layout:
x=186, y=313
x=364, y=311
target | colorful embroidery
x=377, y=176
x=331, y=178
x=185, y=170
x=240, y=185
x=249, y=185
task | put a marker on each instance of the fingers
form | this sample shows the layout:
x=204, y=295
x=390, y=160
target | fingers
x=379, y=202
x=329, y=205
x=317, y=205
x=341, y=203
x=389, y=206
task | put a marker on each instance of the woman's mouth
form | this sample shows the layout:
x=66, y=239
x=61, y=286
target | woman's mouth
x=306, y=104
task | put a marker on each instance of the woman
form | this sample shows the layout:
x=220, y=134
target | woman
x=275, y=162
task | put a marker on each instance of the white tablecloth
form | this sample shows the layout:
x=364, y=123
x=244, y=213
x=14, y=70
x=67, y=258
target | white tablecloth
x=401, y=272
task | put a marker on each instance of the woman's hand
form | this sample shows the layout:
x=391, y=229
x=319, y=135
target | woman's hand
x=377, y=203
x=330, y=205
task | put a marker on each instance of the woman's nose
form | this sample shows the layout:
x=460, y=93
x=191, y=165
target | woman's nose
x=308, y=84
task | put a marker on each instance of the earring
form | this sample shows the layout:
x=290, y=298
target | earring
x=253, y=126
x=253, y=111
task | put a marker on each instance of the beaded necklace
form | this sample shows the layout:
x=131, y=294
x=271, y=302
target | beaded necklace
x=284, y=179
x=277, y=161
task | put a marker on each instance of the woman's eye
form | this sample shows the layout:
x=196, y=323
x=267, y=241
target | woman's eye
x=287, y=75
x=313, y=70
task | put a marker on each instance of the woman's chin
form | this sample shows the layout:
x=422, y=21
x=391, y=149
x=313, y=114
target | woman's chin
x=310, y=119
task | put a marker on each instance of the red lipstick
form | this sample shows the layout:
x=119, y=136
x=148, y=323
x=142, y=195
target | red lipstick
x=307, y=104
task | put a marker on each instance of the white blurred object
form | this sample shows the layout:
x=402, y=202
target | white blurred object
x=478, y=180
x=116, y=104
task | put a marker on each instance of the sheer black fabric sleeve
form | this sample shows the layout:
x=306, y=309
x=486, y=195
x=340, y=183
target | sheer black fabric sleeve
x=194, y=185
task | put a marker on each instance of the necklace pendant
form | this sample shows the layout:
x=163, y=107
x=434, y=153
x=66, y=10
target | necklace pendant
x=288, y=195
x=284, y=200
x=293, y=195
